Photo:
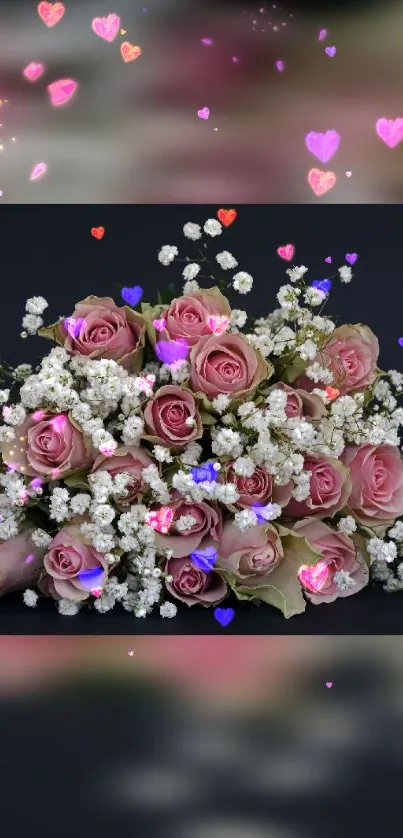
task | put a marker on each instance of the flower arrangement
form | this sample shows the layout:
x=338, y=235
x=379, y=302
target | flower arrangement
x=176, y=453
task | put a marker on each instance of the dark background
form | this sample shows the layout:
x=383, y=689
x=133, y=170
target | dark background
x=50, y=251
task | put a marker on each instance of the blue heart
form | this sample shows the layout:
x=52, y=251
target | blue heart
x=224, y=615
x=169, y=351
x=204, y=559
x=132, y=296
x=322, y=285
x=204, y=473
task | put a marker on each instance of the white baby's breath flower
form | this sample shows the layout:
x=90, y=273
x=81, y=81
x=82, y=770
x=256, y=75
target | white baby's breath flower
x=221, y=402
x=226, y=260
x=242, y=282
x=162, y=454
x=36, y=305
x=345, y=273
x=30, y=598
x=191, y=270
x=31, y=323
x=68, y=608
x=168, y=609
x=347, y=525
x=192, y=231
x=245, y=520
x=167, y=254
x=296, y=273
x=190, y=287
x=238, y=318
x=212, y=227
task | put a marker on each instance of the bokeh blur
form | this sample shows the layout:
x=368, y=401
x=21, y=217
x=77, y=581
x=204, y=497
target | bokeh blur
x=131, y=133
x=201, y=738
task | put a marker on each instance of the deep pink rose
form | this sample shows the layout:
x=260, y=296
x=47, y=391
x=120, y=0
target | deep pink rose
x=20, y=562
x=47, y=447
x=182, y=543
x=330, y=486
x=188, y=316
x=260, y=488
x=131, y=460
x=301, y=403
x=165, y=416
x=249, y=556
x=98, y=328
x=339, y=553
x=69, y=558
x=377, y=482
x=226, y=364
x=351, y=354
x=194, y=586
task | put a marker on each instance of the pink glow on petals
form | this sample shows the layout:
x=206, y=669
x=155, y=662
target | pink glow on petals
x=160, y=519
x=38, y=415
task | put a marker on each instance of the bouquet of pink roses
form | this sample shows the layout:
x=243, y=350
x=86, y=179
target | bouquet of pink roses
x=175, y=452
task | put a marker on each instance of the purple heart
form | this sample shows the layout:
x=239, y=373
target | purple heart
x=280, y=66
x=331, y=51
x=224, y=615
x=400, y=341
x=92, y=578
x=204, y=559
x=322, y=285
x=323, y=146
x=169, y=351
x=328, y=259
x=132, y=296
x=351, y=258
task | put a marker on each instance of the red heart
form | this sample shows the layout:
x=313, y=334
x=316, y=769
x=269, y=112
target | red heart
x=226, y=216
x=97, y=232
x=129, y=52
x=332, y=393
x=51, y=13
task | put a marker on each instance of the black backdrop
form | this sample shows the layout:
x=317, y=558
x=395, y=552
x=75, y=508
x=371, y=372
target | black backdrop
x=49, y=250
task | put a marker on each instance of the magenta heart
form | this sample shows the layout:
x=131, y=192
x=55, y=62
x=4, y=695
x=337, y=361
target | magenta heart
x=390, y=131
x=38, y=170
x=286, y=251
x=328, y=259
x=280, y=66
x=61, y=91
x=33, y=71
x=323, y=146
x=322, y=34
x=159, y=324
x=329, y=684
x=204, y=113
x=313, y=577
x=106, y=27
x=351, y=258
x=331, y=51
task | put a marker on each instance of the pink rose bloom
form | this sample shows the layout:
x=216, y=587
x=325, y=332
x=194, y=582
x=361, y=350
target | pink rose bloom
x=249, y=556
x=226, y=364
x=301, y=403
x=183, y=542
x=20, y=562
x=194, y=586
x=260, y=488
x=47, y=447
x=167, y=417
x=68, y=561
x=188, y=316
x=330, y=486
x=98, y=328
x=339, y=553
x=377, y=483
x=351, y=354
x=131, y=460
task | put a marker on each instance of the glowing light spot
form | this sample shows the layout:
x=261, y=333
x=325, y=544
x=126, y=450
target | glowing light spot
x=203, y=113
x=38, y=415
x=73, y=325
x=33, y=70
x=36, y=484
x=204, y=474
x=169, y=351
x=332, y=393
x=314, y=578
x=160, y=519
x=58, y=423
x=29, y=559
x=159, y=324
x=218, y=323
x=322, y=285
x=329, y=684
x=55, y=473
x=204, y=559
x=38, y=171
x=207, y=42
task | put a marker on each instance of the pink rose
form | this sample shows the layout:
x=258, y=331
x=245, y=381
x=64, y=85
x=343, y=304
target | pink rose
x=69, y=560
x=168, y=417
x=20, y=562
x=194, y=586
x=249, y=556
x=183, y=542
x=330, y=486
x=131, y=460
x=260, y=488
x=98, y=328
x=338, y=553
x=188, y=316
x=301, y=403
x=377, y=482
x=351, y=354
x=47, y=446
x=227, y=364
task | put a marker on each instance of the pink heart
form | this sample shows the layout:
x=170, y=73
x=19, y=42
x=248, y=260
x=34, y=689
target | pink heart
x=348, y=174
x=329, y=684
x=323, y=146
x=331, y=51
x=218, y=323
x=328, y=259
x=322, y=34
x=390, y=131
x=106, y=27
x=61, y=91
x=204, y=113
x=33, y=71
x=280, y=66
x=159, y=325
x=320, y=182
x=286, y=251
x=313, y=578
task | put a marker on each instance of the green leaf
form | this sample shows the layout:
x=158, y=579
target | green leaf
x=77, y=481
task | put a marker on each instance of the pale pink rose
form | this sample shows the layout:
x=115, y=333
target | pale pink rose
x=301, y=403
x=48, y=447
x=227, y=364
x=188, y=316
x=131, y=460
x=330, y=486
x=351, y=354
x=377, y=482
x=165, y=416
x=98, y=328
x=249, y=556
x=20, y=562
x=69, y=559
x=194, y=586
x=260, y=488
x=338, y=553
x=182, y=543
